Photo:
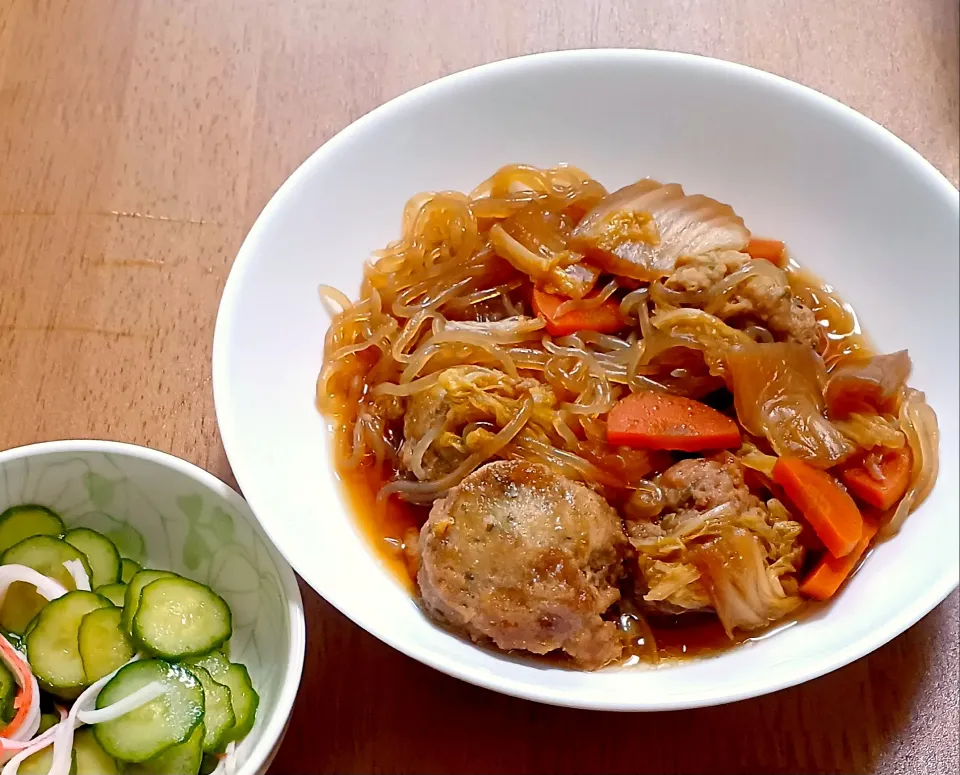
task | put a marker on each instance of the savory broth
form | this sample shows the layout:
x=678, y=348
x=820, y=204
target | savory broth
x=389, y=523
x=646, y=432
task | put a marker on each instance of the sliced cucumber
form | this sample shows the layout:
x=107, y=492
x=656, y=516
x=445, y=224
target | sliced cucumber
x=218, y=715
x=131, y=599
x=102, y=643
x=113, y=592
x=20, y=605
x=47, y=720
x=183, y=759
x=52, y=645
x=209, y=763
x=162, y=723
x=180, y=618
x=242, y=694
x=100, y=552
x=90, y=757
x=128, y=569
x=45, y=555
x=19, y=522
x=39, y=763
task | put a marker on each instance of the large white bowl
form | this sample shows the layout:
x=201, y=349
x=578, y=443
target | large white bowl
x=854, y=203
x=166, y=513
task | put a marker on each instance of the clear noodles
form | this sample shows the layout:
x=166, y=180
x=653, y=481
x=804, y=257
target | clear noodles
x=445, y=295
x=442, y=296
x=919, y=424
x=845, y=339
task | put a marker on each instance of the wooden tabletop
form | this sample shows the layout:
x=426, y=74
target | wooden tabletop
x=138, y=141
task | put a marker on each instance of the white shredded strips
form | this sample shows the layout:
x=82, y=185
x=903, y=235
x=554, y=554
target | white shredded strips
x=78, y=572
x=41, y=742
x=228, y=762
x=61, y=735
x=141, y=696
x=46, y=587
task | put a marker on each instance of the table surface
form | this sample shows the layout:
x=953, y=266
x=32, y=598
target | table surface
x=138, y=141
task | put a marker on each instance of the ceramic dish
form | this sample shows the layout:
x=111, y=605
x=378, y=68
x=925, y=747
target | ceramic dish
x=165, y=513
x=855, y=204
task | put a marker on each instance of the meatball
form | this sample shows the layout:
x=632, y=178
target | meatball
x=775, y=306
x=761, y=298
x=670, y=584
x=703, y=484
x=697, y=274
x=526, y=558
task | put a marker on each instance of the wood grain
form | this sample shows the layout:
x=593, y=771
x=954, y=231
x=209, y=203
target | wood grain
x=138, y=141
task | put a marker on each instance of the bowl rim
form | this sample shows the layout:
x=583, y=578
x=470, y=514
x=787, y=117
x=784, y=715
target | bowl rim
x=223, y=397
x=274, y=726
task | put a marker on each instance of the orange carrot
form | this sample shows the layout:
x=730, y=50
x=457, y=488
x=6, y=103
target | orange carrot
x=824, y=504
x=773, y=250
x=605, y=318
x=825, y=579
x=894, y=467
x=653, y=420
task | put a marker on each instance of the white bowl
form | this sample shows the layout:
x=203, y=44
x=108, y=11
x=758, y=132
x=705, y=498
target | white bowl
x=854, y=203
x=166, y=513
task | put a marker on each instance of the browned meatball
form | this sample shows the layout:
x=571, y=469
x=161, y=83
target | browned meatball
x=526, y=558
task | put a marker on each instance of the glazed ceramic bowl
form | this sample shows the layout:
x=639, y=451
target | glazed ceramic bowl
x=168, y=514
x=854, y=203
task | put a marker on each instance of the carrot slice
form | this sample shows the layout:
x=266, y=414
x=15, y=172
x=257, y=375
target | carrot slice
x=773, y=250
x=605, y=318
x=894, y=467
x=828, y=508
x=825, y=579
x=653, y=420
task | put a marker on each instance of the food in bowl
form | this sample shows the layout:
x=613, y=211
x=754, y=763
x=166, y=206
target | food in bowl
x=613, y=426
x=136, y=653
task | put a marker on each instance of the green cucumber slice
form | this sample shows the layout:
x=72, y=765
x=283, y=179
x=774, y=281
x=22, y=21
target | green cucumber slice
x=128, y=569
x=90, y=757
x=102, y=643
x=131, y=600
x=47, y=720
x=209, y=763
x=45, y=555
x=242, y=694
x=53, y=647
x=218, y=715
x=30, y=519
x=115, y=593
x=183, y=759
x=180, y=618
x=39, y=763
x=101, y=554
x=160, y=724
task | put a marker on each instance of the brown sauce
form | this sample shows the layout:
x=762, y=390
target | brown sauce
x=390, y=524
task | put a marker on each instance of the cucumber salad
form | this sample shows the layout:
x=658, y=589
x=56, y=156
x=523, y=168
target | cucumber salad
x=107, y=668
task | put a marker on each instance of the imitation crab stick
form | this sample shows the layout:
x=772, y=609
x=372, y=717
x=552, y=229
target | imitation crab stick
x=830, y=573
x=27, y=703
x=828, y=508
x=654, y=420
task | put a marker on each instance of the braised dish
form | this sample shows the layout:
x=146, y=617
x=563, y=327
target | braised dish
x=613, y=426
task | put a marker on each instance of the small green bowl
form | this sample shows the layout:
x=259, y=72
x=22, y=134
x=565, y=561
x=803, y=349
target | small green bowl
x=166, y=513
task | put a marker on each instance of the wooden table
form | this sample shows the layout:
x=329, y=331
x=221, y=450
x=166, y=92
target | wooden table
x=138, y=141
